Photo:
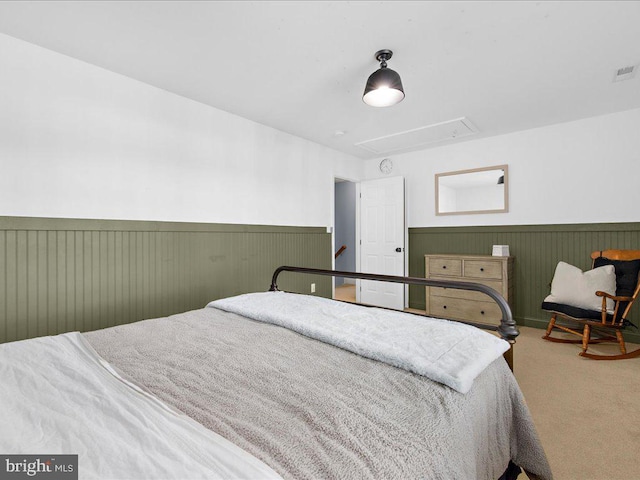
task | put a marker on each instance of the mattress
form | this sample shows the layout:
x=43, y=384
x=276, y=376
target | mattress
x=310, y=410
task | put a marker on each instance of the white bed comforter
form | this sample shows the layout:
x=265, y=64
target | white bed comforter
x=58, y=396
x=448, y=352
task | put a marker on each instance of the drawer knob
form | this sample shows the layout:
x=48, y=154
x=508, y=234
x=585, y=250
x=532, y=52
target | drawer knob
x=482, y=312
x=445, y=307
x=482, y=269
x=444, y=266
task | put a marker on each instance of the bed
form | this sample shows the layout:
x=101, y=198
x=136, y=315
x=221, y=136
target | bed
x=275, y=385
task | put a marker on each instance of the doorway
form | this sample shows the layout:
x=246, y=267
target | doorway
x=345, y=238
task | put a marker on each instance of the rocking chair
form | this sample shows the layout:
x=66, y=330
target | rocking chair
x=627, y=268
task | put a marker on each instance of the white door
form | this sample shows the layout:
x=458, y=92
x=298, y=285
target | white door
x=382, y=235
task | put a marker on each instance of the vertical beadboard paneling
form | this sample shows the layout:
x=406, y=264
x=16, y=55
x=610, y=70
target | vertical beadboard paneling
x=36, y=258
x=11, y=285
x=61, y=281
x=59, y=275
x=3, y=283
x=93, y=276
x=537, y=250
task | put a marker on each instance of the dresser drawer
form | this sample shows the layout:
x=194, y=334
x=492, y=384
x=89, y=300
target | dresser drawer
x=466, y=294
x=462, y=309
x=445, y=266
x=483, y=269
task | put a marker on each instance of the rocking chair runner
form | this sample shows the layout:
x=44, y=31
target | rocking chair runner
x=627, y=268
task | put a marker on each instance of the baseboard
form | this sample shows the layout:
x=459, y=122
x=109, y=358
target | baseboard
x=532, y=322
x=418, y=305
x=631, y=335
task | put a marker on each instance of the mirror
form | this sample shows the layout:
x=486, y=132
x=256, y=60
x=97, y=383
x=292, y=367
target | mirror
x=479, y=190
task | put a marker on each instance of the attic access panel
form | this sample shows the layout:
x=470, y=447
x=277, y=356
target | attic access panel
x=419, y=137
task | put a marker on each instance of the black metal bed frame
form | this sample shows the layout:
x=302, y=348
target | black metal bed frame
x=507, y=328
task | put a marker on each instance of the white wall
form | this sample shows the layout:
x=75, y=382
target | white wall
x=82, y=142
x=586, y=171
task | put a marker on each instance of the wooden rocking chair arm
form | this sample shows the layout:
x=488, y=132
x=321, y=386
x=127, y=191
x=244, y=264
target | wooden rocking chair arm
x=613, y=297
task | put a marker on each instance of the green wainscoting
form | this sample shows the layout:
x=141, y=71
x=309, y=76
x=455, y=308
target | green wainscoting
x=537, y=250
x=60, y=275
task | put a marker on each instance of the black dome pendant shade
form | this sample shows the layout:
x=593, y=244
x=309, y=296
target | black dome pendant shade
x=384, y=87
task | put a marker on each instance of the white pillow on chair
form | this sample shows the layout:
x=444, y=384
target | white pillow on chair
x=570, y=286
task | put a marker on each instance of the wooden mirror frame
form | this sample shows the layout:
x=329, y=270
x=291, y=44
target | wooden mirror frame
x=504, y=168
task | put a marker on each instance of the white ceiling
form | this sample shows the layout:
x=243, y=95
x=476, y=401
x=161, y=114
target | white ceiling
x=301, y=67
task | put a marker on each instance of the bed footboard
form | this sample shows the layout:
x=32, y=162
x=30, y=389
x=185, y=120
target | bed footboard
x=507, y=328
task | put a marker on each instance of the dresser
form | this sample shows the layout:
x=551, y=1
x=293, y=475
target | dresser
x=494, y=272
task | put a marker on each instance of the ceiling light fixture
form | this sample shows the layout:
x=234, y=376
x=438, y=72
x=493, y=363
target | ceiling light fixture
x=384, y=87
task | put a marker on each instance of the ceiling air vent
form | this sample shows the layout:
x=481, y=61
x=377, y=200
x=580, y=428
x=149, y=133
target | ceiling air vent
x=420, y=137
x=625, y=73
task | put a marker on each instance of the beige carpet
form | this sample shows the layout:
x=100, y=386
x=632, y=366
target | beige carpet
x=587, y=412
